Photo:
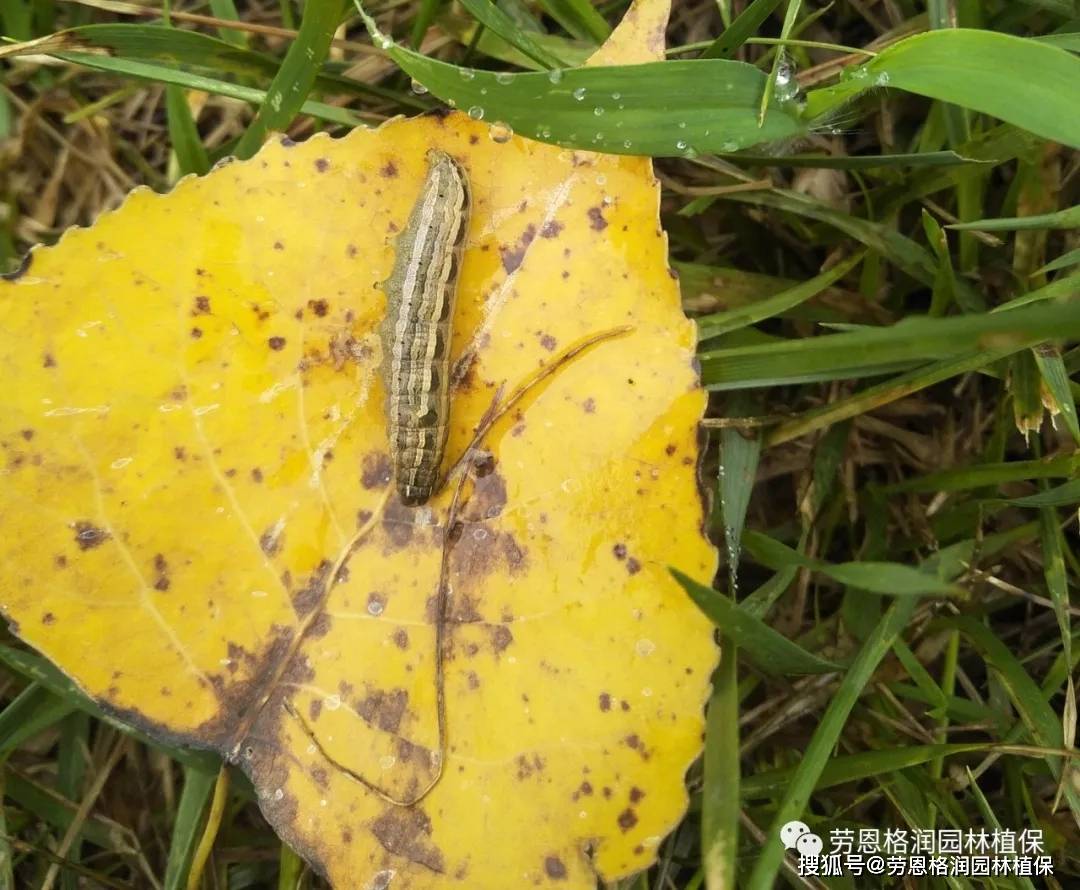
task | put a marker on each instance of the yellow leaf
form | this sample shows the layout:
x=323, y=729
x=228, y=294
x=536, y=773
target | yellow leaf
x=200, y=528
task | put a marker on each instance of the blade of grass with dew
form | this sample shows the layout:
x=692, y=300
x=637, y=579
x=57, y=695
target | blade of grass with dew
x=721, y=322
x=818, y=752
x=985, y=71
x=887, y=578
x=289, y=89
x=739, y=454
x=745, y=25
x=641, y=106
x=790, y=15
x=187, y=827
x=499, y=23
x=720, y=796
x=857, y=353
x=769, y=651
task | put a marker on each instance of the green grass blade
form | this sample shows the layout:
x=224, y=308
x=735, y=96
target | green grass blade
x=1071, y=258
x=657, y=108
x=888, y=578
x=739, y=454
x=498, y=22
x=745, y=26
x=425, y=15
x=858, y=352
x=854, y=767
x=1059, y=219
x=891, y=390
x=1027, y=83
x=721, y=322
x=819, y=750
x=183, y=134
x=33, y=710
x=984, y=475
x=187, y=829
x=1064, y=495
x=860, y=162
x=778, y=62
x=290, y=87
x=721, y=795
x=1055, y=378
x=579, y=18
x=190, y=80
x=769, y=651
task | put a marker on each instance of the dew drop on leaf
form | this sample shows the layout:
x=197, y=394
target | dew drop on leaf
x=555, y=75
x=418, y=88
x=579, y=93
x=500, y=132
x=476, y=112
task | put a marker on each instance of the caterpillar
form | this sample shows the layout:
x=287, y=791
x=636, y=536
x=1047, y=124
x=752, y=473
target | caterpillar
x=420, y=293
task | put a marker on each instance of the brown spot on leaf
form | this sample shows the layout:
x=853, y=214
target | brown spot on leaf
x=48, y=618
x=589, y=405
x=319, y=307
x=554, y=868
x=48, y=361
x=605, y=701
x=384, y=709
x=310, y=595
x=180, y=453
x=88, y=535
x=202, y=305
x=256, y=475
x=501, y=637
x=401, y=638
x=376, y=603
x=161, y=568
x=196, y=333
x=548, y=342
x=551, y=229
x=322, y=165
x=627, y=819
x=633, y=566
x=389, y=170
x=512, y=258
x=270, y=540
x=375, y=470
x=619, y=550
x=636, y=794
x=314, y=709
x=276, y=343
x=27, y=434
x=596, y=219
x=406, y=832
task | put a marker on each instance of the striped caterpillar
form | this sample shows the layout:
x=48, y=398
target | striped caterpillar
x=420, y=294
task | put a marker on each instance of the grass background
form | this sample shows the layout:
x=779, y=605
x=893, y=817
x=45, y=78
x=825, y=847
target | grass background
x=882, y=287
